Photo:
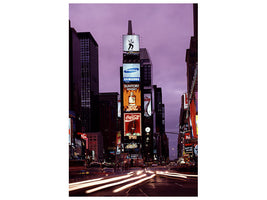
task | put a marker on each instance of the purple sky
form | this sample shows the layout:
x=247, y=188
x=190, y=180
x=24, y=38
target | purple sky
x=164, y=29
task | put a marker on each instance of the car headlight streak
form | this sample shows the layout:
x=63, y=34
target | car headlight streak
x=113, y=184
x=83, y=185
x=132, y=184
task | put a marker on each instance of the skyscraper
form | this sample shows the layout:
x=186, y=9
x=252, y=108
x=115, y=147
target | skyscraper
x=89, y=82
x=74, y=92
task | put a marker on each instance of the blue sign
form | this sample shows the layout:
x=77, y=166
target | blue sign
x=131, y=72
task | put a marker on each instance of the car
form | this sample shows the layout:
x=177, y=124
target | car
x=95, y=165
x=108, y=170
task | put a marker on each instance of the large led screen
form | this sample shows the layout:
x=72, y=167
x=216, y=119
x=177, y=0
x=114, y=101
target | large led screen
x=131, y=72
x=131, y=43
x=132, y=124
x=147, y=105
x=131, y=97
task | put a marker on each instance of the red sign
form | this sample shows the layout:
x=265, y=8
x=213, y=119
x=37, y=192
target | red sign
x=185, y=101
x=193, y=118
x=132, y=124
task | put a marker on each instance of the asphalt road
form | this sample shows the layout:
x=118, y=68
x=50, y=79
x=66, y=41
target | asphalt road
x=149, y=182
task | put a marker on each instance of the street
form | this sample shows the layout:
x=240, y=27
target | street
x=142, y=182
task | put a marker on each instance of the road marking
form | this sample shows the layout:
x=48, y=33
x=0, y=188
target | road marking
x=179, y=185
x=113, y=184
x=143, y=192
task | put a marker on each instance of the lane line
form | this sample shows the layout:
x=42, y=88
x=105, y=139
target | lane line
x=142, y=192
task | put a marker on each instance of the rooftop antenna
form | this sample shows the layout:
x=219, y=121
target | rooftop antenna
x=130, y=31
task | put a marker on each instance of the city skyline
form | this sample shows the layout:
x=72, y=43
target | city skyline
x=164, y=29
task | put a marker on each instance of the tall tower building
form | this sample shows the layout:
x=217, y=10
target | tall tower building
x=74, y=92
x=146, y=79
x=89, y=83
x=131, y=97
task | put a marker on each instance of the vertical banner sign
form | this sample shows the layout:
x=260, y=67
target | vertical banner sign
x=70, y=131
x=118, y=138
x=119, y=106
x=131, y=43
x=132, y=124
x=185, y=101
x=193, y=117
x=197, y=124
x=131, y=97
x=147, y=105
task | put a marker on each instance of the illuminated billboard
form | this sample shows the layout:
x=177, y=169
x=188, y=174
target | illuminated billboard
x=185, y=100
x=118, y=138
x=119, y=106
x=131, y=43
x=132, y=124
x=131, y=72
x=131, y=97
x=147, y=105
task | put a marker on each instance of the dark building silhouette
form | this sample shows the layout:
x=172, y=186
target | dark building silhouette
x=89, y=83
x=159, y=120
x=109, y=127
x=146, y=80
x=188, y=136
x=146, y=66
x=74, y=94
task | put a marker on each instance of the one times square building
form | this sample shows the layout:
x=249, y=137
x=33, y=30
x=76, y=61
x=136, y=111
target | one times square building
x=136, y=95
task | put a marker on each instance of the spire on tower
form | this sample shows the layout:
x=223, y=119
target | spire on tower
x=130, y=31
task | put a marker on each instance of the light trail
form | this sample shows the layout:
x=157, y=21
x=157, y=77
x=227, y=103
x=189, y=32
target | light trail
x=150, y=172
x=87, y=181
x=139, y=172
x=188, y=175
x=83, y=185
x=175, y=175
x=112, y=184
x=132, y=184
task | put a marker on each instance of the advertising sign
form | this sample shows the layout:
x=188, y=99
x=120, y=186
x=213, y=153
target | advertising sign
x=70, y=131
x=147, y=105
x=188, y=149
x=118, y=138
x=185, y=100
x=132, y=124
x=197, y=124
x=131, y=146
x=131, y=97
x=131, y=72
x=193, y=117
x=131, y=43
x=119, y=107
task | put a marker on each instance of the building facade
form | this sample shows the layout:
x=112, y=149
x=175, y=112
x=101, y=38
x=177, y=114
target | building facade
x=109, y=124
x=188, y=122
x=74, y=94
x=89, y=82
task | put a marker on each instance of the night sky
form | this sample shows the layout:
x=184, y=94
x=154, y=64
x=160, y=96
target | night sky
x=164, y=29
